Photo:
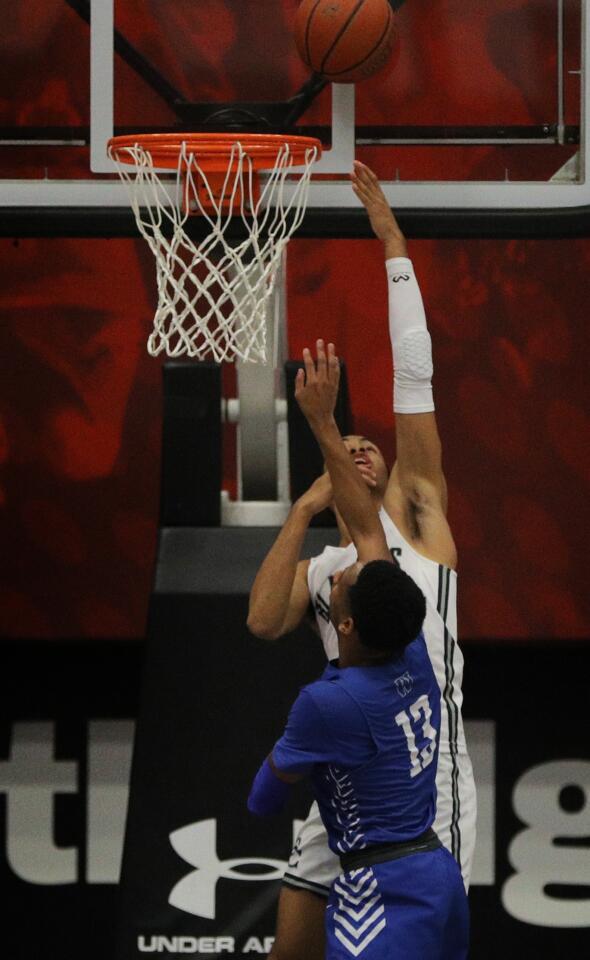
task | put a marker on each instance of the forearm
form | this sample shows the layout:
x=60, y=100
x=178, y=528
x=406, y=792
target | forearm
x=410, y=340
x=268, y=793
x=271, y=591
x=351, y=494
x=394, y=242
x=418, y=447
x=394, y=247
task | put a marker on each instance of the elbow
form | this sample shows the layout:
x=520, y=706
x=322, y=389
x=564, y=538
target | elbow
x=261, y=630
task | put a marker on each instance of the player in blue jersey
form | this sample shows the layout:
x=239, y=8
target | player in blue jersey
x=367, y=735
x=411, y=502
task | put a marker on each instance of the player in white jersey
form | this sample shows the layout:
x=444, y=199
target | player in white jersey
x=412, y=503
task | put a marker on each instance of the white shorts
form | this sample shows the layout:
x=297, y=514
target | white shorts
x=312, y=865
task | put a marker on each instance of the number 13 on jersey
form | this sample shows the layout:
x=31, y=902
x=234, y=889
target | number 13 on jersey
x=420, y=709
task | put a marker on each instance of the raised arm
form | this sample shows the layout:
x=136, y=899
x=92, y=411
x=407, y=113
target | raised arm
x=279, y=598
x=316, y=389
x=417, y=484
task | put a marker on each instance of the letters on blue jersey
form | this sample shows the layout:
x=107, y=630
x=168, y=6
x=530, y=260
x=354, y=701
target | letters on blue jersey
x=368, y=737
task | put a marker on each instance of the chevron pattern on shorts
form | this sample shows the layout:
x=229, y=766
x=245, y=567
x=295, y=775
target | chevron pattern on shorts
x=360, y=915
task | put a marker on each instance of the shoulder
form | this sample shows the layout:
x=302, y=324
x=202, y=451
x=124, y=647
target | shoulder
x=417, y=661
x=331, y=698
x=324, y=690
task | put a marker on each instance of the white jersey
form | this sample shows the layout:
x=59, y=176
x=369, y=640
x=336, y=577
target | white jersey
x=439, y=585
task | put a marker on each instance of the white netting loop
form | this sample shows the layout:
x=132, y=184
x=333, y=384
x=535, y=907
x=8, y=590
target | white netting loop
x=214, y=296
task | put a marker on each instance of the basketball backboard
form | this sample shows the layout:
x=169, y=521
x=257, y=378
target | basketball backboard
x=482, y=108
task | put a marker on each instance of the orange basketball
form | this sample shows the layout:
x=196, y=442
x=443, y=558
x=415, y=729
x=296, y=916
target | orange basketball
x=344, y=40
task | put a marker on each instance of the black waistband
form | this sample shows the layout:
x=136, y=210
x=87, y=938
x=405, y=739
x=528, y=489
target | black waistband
x=382, y=852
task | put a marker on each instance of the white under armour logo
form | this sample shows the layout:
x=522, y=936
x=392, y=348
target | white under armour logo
x=404, y=684
x=197, y=845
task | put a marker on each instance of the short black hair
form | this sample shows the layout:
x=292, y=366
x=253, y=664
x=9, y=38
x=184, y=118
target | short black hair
x=387, y=607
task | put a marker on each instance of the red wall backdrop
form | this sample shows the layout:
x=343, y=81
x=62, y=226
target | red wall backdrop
x=80, y=398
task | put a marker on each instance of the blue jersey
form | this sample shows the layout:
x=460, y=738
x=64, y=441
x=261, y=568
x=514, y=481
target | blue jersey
x=368, y=738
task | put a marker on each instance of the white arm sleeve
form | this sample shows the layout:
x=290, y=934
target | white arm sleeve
x=410, y=340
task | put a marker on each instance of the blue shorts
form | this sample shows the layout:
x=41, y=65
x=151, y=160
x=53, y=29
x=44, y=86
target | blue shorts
x=413, y=908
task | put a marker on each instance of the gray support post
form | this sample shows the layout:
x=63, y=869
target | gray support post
x=260, y=412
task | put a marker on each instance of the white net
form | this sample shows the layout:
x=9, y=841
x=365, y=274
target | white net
x=214, y=295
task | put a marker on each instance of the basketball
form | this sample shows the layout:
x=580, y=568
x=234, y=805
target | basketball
x=345, y=41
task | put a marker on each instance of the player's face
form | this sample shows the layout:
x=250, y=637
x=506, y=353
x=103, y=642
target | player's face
x=341, y=583
x=367, y=457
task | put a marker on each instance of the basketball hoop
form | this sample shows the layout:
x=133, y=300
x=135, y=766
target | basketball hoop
x=213, y=296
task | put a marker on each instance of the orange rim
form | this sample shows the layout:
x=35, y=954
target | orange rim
x=212, y=150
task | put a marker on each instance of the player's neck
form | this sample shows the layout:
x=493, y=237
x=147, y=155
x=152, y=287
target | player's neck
x=345, y=537
x=355, y=655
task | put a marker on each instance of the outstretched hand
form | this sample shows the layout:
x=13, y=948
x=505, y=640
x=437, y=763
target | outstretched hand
x=316, y=387
x=368, y=189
